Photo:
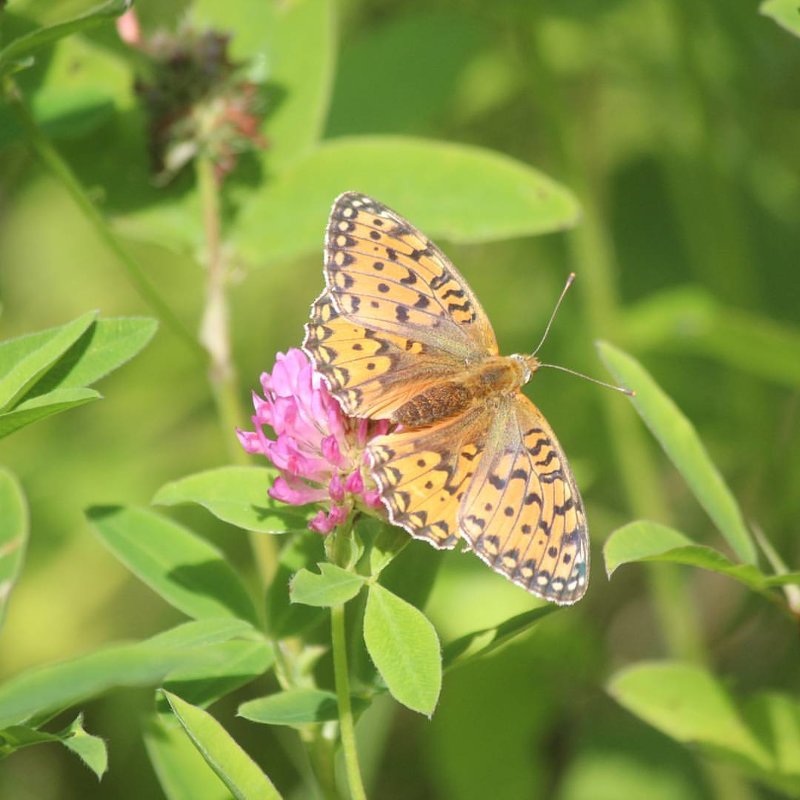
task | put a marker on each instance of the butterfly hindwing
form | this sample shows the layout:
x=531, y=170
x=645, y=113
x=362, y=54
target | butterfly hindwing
x=522, y=512
x=423, y=474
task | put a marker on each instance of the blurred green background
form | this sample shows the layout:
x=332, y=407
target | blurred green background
x=676, y=125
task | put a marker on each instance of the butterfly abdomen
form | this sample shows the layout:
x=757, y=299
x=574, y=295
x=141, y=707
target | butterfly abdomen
x=435, y=403
x=441, y=401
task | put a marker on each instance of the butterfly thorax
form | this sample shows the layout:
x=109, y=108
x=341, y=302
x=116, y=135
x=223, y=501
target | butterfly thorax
x=485, y=381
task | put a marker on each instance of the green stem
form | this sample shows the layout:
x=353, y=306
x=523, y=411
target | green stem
x=346, y=724
x=216, y=338
x=52, y=160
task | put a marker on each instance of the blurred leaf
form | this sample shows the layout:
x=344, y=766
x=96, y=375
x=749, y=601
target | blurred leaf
x=43, y=691
x=182, y=772
x=296, y=707
x=785, y=12
x=330, y=588
x=480, y=643
x=460, y=193
x=775, y=720
x=15, y=737
x=90, y=749
x=423, y=89
x=239, y=663
x=19, y=48
x=689, y=704
x=60, y=114
x=692, y=706
x=237, y=495
x=283, y=617
x=688, y=319
x=24, y=360
x=43, y=406
x=231, y=764
x=302, y=74
x=14, y=524
x=202, y=632
x=184, y=569
x=405, y=648
x=681, y=443
x=648, y=541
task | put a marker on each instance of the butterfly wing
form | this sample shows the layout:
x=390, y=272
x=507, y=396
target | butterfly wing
x=370, y=373
x=522, y=512
x=423, y=474
x=385, y=275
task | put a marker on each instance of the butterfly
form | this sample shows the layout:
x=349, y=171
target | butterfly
x=398, y=334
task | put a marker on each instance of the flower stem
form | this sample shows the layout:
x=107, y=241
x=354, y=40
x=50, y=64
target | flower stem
x=346, y=725
x=53, y=161
x=216, y=338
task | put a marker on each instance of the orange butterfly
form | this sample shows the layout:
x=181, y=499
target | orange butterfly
x=398, y=334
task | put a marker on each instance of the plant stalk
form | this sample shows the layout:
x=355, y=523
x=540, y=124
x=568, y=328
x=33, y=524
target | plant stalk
x=216, y=339
x=346, y=723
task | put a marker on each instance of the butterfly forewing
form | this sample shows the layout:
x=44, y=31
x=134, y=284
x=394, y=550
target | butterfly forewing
x=371, y=374
x=385, y=275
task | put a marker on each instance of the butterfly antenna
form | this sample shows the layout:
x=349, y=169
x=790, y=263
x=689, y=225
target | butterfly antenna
x=622, y=389
x=570, y=279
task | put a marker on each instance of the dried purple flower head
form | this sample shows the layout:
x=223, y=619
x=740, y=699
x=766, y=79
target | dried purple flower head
x=318, y=450
x=197, y=99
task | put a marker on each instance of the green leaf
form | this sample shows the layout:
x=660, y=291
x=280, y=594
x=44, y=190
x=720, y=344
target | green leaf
x=182, y=772
x=237, y=495
x=239, y=663
x=785, y=12
x=14, y=525
x=330, y=588
x=405, y=649
x=480, y=643
x=680, y=442
x=459, y=192
x=40, y=692
x=231, y=764
x=295, y=707
x=305, y=73
x=648, y=541
x=24, y=360
x=689, y=704
x=23, y=46
x=90, y=749
x=43, y=406
x=105, y=346
x=185, y=570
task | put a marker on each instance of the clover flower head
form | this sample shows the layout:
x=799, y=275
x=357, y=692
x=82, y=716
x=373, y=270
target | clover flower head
x=317, y=449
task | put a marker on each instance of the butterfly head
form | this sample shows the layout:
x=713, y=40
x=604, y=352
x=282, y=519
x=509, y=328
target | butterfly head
x=527, y=365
